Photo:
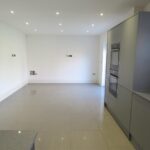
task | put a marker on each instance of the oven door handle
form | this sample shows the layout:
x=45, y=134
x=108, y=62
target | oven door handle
x=114, y=75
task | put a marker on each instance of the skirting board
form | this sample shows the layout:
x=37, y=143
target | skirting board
x=7, y=94
x=60, y=81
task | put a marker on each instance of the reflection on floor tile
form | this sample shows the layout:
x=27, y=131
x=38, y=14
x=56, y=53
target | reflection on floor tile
x=66, y=117
x=82, y=140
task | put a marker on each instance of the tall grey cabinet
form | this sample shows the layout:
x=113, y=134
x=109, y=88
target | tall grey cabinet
x=128, y=67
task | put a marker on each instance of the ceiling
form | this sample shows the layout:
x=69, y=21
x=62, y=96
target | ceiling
x=76, y=16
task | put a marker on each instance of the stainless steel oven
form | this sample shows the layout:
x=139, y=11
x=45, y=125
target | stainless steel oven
x=113, y=85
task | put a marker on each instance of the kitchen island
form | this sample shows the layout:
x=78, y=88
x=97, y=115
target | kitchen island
x=17, y=140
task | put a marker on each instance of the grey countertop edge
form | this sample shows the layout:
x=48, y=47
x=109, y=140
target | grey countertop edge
x=145, y=95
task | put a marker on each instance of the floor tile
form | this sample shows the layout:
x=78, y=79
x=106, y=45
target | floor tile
x=66, y=117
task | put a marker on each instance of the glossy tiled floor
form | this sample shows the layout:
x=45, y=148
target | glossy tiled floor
x=66, y=117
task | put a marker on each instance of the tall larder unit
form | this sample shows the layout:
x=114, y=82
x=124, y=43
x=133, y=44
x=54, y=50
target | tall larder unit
x=128, y=73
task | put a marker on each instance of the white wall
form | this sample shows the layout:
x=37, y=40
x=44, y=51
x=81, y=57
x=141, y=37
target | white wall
x=47, y=55
x=13, y=70
x=102, y=58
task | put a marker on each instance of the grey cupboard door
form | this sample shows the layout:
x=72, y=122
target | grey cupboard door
x=129, y=31
x=140, y=122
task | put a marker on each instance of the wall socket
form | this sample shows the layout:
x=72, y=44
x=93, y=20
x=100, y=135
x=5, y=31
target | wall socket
x=13, y=55
x=69, y=55
x=33, y=73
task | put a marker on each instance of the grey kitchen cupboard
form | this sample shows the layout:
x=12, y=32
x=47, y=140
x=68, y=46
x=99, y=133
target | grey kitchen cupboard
x=128, y=59
x=120, y=106
x=140, y=122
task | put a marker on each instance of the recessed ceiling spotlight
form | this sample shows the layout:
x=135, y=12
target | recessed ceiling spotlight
x=87, y=31
x=57, y=13
x=60, y=24
x=93, y=25
x=61, y=31
x=35, y=30
x=27, y=23
x=12, y=12
x=101, y=14
x=19, y=132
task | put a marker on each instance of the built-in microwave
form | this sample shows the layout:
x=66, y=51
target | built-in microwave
x=114, y=63
x=114, y=68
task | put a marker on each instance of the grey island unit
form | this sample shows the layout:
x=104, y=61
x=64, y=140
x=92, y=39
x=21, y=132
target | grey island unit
x=17, y=140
